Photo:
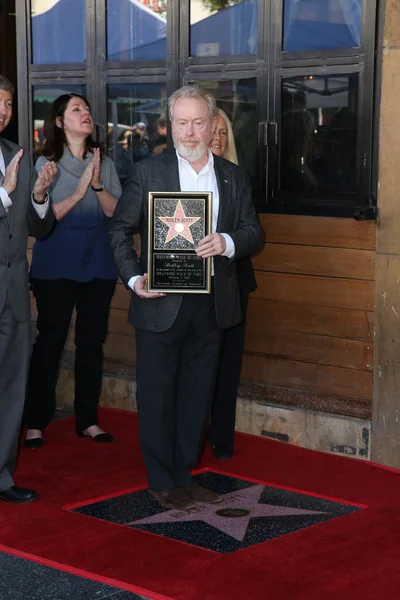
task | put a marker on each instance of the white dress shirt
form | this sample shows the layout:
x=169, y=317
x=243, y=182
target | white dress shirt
x=41, y=209
x=205, y=181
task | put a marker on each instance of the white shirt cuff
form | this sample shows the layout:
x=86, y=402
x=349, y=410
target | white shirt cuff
x=230, y=246
x=7, y=202
x=131, y=282
x=41, y=209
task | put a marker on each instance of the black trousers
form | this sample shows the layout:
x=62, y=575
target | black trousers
x=175, y=379
x=223, y=412
x=55, y=302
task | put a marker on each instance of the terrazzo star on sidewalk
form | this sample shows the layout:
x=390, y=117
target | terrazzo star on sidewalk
x=178, y=335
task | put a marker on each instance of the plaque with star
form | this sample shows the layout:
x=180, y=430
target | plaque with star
x=177, y=223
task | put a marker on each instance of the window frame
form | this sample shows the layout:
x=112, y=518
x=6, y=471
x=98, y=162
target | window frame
x=359, y=60
x=268, y=66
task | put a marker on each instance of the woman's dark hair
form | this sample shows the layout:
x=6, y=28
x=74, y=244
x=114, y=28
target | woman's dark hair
x=54, y=136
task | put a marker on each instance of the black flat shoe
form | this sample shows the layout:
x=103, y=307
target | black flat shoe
x=17, y=495
x=102, y=438
x=34, y=443
x=222, y=452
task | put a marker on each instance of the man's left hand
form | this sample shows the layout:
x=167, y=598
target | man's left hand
x=211, y=245
x=44, y=180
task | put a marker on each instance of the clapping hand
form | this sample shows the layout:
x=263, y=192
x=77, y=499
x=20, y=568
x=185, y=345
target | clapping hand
x=11, y=174
x=44, y=180
x=84, y=182
x=95, y=182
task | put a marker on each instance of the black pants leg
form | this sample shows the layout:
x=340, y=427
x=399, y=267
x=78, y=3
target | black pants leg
x=195, y=387
x=175, y=376
x=223, y=413
x=55, y=302
x=92, y=311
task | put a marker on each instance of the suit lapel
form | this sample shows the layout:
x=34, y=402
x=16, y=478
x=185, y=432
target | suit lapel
x=8, y=155
x=224, y=182
x=172, y=174
x=7, y=152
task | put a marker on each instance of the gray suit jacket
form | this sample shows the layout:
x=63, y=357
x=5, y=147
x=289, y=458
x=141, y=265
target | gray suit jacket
x=237, y=217
x=21, y=221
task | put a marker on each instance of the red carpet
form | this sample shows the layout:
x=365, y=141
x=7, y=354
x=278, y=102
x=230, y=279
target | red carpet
x=355, y=557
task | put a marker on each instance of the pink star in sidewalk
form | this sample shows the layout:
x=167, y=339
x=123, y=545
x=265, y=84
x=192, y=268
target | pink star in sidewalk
x=179, y=224
x=246, y=499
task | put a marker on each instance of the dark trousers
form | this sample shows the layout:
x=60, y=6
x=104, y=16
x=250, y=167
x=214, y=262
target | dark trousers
x=55, y=302
x=15, y=342
x=223, y=412
x=175, y=380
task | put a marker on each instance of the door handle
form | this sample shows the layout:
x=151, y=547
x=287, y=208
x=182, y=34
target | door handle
x=267, y=133
x=263, y=133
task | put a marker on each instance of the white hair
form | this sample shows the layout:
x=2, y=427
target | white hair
x=193, y=91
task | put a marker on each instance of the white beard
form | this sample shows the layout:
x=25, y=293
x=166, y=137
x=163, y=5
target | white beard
x=194, y=154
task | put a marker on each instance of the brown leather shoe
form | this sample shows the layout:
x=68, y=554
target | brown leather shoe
x=173, y=498
x=201, y=495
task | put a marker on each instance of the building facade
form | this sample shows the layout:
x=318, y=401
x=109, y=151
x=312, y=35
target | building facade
x=302, y=82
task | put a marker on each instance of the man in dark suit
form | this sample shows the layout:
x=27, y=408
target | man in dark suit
x=178, y=335
x=21, y=212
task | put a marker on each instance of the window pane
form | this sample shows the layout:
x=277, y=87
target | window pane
x=137, y=123
x=42, y=99
x=318, y=138
x=58, y=31
x=315, y=24
x=136, y=30
x=237, y=98
x=221, y=27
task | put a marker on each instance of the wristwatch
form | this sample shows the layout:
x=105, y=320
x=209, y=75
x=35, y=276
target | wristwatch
x=98, y=189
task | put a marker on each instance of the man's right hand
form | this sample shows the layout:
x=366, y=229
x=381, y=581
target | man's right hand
x=11, y=174
x=140, y=288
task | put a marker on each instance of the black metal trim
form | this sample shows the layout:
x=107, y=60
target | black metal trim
x=54, y=81
x=379, y=47
x=223, y=59
x=56, y=74
x=59, y=67
x=218, y=76
x=138, y=71
x=24, y=130
x=112, y=79
x=323, y=55
x=125, y=65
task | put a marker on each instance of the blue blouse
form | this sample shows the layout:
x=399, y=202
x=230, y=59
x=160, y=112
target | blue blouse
x=78, y=248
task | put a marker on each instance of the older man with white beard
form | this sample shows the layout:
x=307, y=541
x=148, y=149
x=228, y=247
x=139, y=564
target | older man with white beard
x=178, y=335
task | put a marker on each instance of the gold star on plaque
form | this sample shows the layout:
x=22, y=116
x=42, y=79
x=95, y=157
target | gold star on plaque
x=179, y=224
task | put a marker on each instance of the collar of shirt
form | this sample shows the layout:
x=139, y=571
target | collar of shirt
x=186, y=164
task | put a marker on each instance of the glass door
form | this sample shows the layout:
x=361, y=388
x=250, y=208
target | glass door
x=322, y=64
x=294, y=77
